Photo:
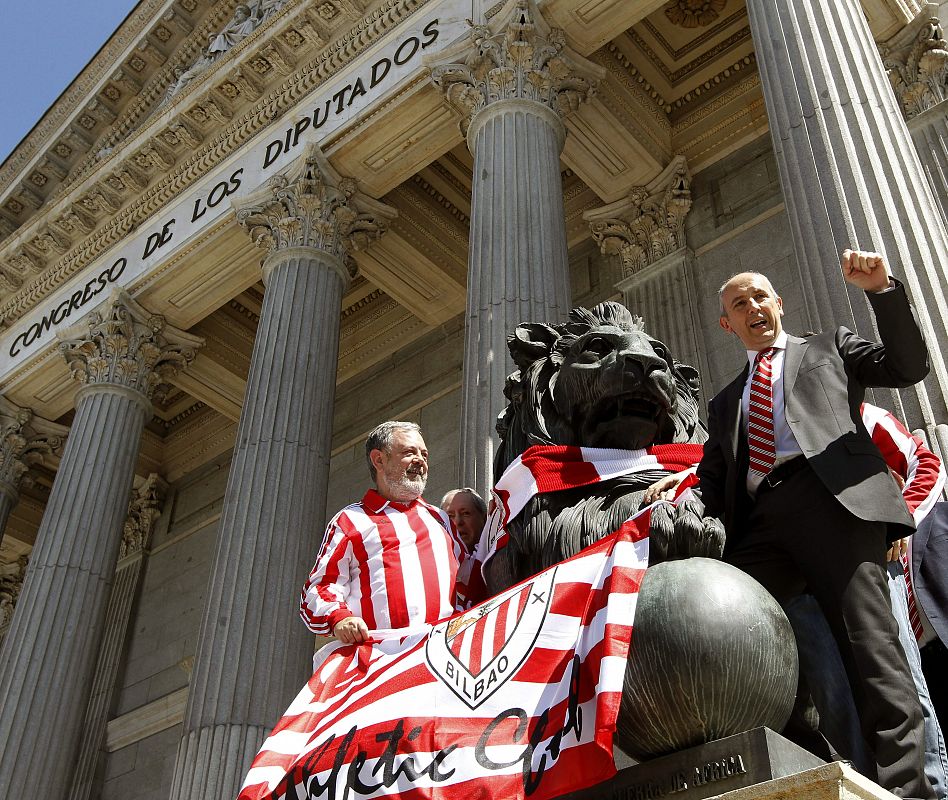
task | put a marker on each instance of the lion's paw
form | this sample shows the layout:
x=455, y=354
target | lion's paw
x=683, y=531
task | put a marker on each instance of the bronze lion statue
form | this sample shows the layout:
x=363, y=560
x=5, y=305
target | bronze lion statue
x=598, y=380
x=712, y=653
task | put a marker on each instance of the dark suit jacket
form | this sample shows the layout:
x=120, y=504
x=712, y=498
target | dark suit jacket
x=825, y=377
x=930, y=568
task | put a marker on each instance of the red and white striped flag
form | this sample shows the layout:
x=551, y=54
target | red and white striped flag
x=516, y=697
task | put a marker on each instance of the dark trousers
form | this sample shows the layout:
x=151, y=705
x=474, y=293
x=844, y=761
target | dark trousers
x=798, y=535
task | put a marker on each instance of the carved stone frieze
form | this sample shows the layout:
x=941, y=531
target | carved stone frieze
x=143, y=510
x=122, y=344
x=517, y=57
x=25, y=440
x=917, y=63
x=311, y=205
x=11, y=582
x=649, y=223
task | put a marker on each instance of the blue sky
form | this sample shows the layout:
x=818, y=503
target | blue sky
x=43, y=46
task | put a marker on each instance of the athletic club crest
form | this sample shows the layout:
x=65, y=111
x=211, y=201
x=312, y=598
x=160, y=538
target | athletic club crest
x=475, y=653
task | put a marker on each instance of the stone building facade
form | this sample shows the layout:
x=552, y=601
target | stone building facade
x=246, y=233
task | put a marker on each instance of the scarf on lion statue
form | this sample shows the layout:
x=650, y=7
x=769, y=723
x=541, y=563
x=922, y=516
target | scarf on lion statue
x=552, y=468
x=516, y=697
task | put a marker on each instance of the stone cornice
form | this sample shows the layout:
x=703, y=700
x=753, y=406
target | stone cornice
x=229, y=137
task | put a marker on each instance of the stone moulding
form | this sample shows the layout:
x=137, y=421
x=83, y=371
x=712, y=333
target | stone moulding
x=261, y=114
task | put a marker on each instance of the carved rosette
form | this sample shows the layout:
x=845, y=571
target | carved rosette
x=520, y=57
x=917, y=63
x=25, y=440
x=123, y=345
x=11, y=582
x=649, y=223
x=312, y=206
x=143, y=510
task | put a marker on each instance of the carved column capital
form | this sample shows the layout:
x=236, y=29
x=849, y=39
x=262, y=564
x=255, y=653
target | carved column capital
x=25, y=439
x=123, y=346
x=916, y=60
x=312, y=206
x=143, y=510
x=517, y=57
x=11, y=582
x=649, y=223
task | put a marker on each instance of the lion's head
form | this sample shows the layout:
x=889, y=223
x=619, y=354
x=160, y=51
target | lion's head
x=597, y=380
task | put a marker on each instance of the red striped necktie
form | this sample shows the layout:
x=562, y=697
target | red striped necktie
x=915, y=619
x=760, y=415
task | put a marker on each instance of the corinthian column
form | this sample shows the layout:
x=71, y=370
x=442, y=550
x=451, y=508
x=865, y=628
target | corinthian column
x=25, y=439
x=646, y=229
x=850, y=175
x=512, y=82
x=143, y=510
x=123, y=356
x=246, y=673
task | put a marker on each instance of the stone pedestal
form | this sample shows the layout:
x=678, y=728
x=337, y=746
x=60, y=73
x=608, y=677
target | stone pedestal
x=512, y=82
x=123, y=357
x=254, y=653
x=734, y=762
x=851, y=176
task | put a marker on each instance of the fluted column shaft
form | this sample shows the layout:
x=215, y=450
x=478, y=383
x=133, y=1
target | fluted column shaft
x=124, y=357
x=253, y=652
x=512, y=80
x=137, y=533
x=51, y=648
x=850, y=175
x=930, y=136
x=518, y=268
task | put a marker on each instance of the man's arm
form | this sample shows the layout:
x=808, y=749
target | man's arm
x=323, y=599
x=902, y=358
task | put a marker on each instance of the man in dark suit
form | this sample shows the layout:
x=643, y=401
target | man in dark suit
x=929, y=561
x=806, y=496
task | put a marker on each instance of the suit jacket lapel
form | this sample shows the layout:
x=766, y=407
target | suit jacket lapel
x=732, y=409
x=796, y=349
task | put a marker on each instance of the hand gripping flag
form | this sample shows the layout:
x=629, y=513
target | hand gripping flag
x=515, y=698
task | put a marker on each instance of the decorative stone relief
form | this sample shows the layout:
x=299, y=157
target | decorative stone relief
x=11, y=582
x=649, y=223
x=311, y=205
x=143, y=510
x=917, y=63
x=694, y=13
x=123, y=344
x=518, y=57
x=25, y=439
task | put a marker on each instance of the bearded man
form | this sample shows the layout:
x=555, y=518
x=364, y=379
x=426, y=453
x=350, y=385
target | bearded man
x=391, y=560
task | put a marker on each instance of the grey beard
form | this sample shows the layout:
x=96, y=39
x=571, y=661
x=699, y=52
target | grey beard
x=406, y=488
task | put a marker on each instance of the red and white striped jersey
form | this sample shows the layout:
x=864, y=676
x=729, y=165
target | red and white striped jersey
x=907, y=455
x=391, y=564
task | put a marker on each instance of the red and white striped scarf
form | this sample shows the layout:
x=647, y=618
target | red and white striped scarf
x=552, y=468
